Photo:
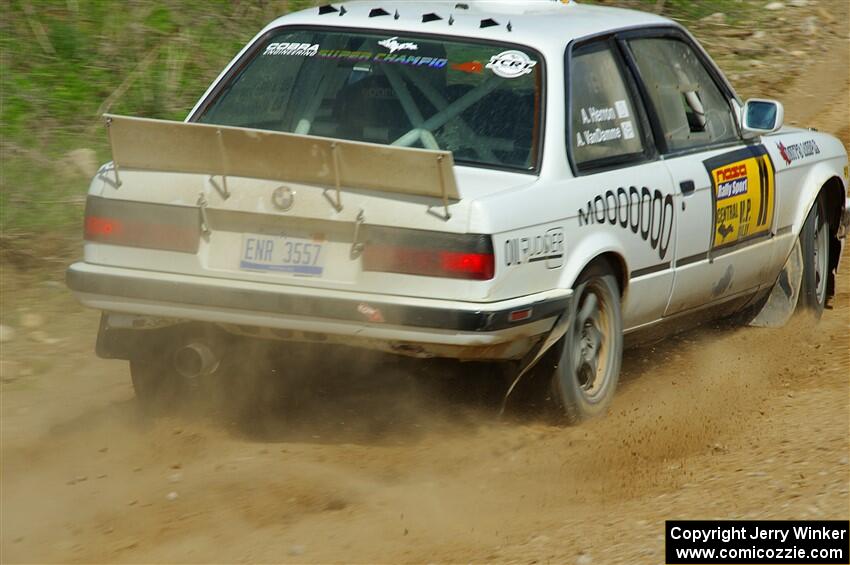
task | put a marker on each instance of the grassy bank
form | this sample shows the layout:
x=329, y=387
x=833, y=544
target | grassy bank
x=64, y=63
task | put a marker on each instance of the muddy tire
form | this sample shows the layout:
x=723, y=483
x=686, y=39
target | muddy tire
x=158, y=386
x=814, y=240
x=591, y=352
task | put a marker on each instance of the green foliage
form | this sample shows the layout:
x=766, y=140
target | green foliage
x=63, y=64
x=686, y=11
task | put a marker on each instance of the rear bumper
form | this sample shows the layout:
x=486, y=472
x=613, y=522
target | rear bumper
x=359, y=316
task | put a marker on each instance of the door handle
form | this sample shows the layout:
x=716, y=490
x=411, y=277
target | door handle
x=687, y=187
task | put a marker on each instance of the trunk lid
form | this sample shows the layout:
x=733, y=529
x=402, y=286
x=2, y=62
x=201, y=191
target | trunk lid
x=303, y=222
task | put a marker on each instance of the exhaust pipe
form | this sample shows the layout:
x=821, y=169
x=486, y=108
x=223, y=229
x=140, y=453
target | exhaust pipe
x=195, y=359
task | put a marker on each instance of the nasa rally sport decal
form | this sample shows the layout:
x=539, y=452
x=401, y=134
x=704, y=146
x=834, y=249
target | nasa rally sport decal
x=743, y=193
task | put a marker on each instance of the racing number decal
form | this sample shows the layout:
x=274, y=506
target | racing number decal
x=743, y=193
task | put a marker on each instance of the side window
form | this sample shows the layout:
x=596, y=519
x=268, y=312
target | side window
x=691, y=109
x=605, y=126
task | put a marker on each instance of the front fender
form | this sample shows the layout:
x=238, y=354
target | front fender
x=809, y=164
x=818, y=176
x=802, y=176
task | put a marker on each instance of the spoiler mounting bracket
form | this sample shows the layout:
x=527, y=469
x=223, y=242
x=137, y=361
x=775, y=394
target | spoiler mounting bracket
x=117, y=182
x=444, y=195
x=335, y=202
x=205, y=221
x=222, y=188
x=357, y=246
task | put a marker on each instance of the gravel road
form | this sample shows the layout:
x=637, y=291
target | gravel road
x=377, y=465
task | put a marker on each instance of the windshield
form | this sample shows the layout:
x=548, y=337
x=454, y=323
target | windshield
x=480, y=101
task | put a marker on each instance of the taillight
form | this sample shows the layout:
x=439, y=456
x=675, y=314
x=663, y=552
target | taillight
x=479, y=266
x=104, y=227
x=140, y=224
x=432, y=255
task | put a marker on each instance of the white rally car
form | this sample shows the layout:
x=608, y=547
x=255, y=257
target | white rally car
x=520, y=182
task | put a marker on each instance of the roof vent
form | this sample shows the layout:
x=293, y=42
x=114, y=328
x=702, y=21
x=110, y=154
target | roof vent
x=342, y=10
x=327, y=9
x=489, y=22
x=375, y=12
x=432, y=17
x=395, y=16
x=509, y=27
x=461, y=6
x=451, y=20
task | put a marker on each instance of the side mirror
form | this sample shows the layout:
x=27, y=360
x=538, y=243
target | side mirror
x=761, y=117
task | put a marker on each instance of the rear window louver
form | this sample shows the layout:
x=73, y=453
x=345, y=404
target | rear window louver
x=329, y=9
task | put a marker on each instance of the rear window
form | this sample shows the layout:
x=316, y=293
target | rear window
x=483, y=102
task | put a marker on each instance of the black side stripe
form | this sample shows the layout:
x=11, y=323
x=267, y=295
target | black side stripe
x=732, y=247
x=762, y=218
x=761, y=190
x=649, y=270
x=769, y=185
x=691, y=259
x=750, y=151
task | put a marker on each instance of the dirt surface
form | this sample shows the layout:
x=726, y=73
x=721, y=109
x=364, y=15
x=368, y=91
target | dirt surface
x=375, y=464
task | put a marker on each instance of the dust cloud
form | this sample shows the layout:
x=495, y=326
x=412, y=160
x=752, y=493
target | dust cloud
x=368, y=457
x=362, y=457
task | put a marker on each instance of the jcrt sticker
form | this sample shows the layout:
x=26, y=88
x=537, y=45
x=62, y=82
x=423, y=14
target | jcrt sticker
x=743, y=195
x=511, y=64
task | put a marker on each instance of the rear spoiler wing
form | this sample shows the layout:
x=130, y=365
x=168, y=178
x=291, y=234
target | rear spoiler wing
x=168, y=146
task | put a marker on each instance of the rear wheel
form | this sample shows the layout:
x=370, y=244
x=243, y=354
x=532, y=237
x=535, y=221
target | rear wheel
x=814, y=240
x=588, y=369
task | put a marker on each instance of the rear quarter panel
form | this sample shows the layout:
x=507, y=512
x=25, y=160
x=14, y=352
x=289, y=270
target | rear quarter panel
x=529, y=225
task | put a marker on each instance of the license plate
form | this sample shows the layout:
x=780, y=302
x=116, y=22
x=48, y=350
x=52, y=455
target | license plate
x=283, y=254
